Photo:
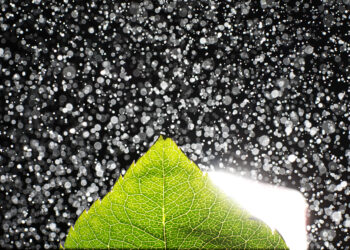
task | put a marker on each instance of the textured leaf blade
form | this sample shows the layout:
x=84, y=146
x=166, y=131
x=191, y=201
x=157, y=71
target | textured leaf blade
x=165, y=201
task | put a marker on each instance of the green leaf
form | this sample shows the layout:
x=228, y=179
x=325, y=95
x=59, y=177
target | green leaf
x=165, y=201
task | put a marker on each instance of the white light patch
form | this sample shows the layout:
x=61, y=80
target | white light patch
x=280, y=208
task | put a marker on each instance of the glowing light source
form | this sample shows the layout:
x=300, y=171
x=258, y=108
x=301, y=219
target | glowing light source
x=280, y=208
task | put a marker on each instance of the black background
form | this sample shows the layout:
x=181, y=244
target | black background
x=213, y=98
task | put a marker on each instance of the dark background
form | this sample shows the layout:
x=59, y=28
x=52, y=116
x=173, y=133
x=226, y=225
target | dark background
x=260, y=87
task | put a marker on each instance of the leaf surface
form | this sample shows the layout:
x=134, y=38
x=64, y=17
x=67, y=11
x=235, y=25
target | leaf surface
x=165, y=201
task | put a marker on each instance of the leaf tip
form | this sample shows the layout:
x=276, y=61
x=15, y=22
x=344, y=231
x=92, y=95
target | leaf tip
x=160, y=138
x=163, y=138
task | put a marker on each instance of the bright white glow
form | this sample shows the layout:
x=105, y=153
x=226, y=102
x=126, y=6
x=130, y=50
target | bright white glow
x=280, y=208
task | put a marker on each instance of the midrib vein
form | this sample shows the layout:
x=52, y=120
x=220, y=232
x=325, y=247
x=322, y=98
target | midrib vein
x=163, y=207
